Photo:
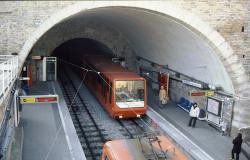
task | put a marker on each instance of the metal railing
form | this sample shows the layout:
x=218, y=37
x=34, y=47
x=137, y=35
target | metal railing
x=8, y=73
x=245, y=131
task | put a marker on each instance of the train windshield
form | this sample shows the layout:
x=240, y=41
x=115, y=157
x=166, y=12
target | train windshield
x=129, y=93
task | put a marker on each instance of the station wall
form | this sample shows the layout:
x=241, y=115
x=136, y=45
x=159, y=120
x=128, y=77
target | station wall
x=110, y=37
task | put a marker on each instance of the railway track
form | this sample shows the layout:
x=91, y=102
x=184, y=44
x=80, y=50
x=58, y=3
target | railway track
x=89, y=133
x=133, y=128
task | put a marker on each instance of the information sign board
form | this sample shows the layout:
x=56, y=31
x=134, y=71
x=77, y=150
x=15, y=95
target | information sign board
x=24, y=100
x=202, y=93
x=32, y=99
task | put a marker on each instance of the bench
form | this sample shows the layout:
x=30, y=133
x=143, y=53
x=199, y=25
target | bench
x=186, y=105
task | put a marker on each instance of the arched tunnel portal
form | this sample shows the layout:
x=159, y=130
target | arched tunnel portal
x=161, y=34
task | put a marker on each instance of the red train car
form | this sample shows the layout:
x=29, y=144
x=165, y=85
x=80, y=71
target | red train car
x=159, y=148
x=121, y=92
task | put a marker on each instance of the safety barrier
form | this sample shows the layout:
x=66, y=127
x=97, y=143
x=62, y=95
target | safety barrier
x=8, y=73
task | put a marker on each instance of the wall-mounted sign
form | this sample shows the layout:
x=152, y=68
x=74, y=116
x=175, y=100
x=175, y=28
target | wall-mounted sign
x=210, y=93
x=202, y=93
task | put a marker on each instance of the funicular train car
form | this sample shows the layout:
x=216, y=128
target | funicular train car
x=121, y=92
x=143, y=148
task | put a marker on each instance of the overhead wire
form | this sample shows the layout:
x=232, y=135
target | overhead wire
x=80, y=85
x=61, y=125
x=239, y=97
x=99, y=74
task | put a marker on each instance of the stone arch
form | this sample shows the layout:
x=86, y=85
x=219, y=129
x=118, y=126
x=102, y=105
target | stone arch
x=116, y=42
x=230, y=60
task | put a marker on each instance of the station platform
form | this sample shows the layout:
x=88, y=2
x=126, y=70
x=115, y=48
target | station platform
x=202, y=142
x=49, y=132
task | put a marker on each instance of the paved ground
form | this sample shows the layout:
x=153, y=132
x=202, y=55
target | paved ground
x=206, y=137
x=40, y=123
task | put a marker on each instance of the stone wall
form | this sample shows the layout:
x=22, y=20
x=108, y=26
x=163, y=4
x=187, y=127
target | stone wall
x=178, y=89
x=108, y=36
x=20, y=19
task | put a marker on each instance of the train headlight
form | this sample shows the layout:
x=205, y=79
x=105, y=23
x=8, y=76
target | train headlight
x=120, y=117
x=138, y=115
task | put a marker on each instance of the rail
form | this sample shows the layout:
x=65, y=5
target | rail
x=245, y=131
x=8, y=73
x=91, y=136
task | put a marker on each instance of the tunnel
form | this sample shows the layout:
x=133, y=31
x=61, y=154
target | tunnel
x=132, y=32
x=72, y=49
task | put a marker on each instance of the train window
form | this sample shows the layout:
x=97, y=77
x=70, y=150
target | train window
x=105, y=87
x=110, y=93
x=103, y=84
x=98, y=79
x=129, y=93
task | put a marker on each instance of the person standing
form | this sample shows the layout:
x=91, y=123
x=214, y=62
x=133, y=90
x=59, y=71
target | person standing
x=193, y=113
x=163, y=95
x=237, y=146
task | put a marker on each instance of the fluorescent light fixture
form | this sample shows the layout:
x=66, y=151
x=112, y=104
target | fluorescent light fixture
x=198, y=85
x=24, y=78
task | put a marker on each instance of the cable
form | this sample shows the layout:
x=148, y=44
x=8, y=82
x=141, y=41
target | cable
x=70, y=107
x=239, y=97
x=73, y=64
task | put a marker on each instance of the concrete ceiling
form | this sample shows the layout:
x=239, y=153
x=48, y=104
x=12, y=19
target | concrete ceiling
x=162, y=40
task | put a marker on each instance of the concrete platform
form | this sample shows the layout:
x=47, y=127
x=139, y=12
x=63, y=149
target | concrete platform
x=48, y=129
x=202, y=142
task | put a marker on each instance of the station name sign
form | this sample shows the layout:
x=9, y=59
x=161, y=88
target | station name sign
x=33, y=99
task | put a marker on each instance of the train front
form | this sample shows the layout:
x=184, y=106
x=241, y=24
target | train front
x=130, y=98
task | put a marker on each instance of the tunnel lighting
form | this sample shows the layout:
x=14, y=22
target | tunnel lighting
x=24, y=78
x=36, y=57
x=211, y=86
x=198, y=85
x=120, y=117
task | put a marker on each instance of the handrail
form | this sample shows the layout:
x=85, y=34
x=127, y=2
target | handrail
x=245, y=131
x=8, y=73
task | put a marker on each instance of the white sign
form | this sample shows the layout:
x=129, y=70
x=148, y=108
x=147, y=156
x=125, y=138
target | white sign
x=213, y=106
x=192, y=83
x=214, y=119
